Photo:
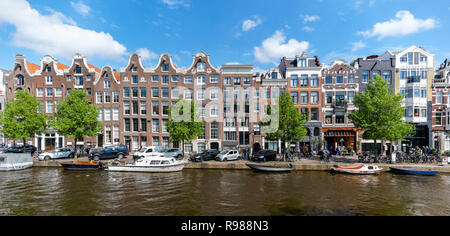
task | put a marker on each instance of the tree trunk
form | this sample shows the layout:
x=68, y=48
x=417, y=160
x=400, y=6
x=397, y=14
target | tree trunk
x=24, y=143
x=375, y=150
x=182, y=146
x=76, y=150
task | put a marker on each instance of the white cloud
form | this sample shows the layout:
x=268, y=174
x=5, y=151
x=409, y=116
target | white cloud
x=173, y=4
x=81, y=8
x=404, y=24
x=308, y=18
x=356, y=46
x=308, y=29
x=52, y=34
x=251, y=24
x=59, y=16
x=275, y=47
x=146, y=54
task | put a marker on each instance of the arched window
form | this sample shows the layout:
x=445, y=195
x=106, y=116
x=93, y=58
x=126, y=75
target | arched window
x=201, y=67
x=20, y=80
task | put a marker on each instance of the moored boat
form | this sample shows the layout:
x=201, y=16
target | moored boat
x=155, y=164
x=261, y=168
x=15, y=161
x=357, y=170
x=82, y=165
x=410, y=171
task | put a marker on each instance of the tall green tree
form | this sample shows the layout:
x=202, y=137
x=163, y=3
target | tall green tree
x=380, y=113
x=184, y=123
x=290, y=122
x=76, y=117
x=21, y=118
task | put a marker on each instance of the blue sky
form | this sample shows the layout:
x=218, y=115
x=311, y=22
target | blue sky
x=255, y=32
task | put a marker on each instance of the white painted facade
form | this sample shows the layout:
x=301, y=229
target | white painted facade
x=415, y=68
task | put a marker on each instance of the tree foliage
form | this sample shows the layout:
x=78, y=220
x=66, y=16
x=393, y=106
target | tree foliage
x=76, y=117
x=184, y=123
x=290, y=122
x=21, y=119
x=380, y=113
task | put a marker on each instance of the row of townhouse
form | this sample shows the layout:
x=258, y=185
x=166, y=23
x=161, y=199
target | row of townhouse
x=134, y=102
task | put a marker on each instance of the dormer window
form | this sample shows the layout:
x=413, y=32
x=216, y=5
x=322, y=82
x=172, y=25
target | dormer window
x=135, y=69
x=201, y=67
x=302, y=62
x=48, y=69
x=78, y=70
x=165, y=68
x=20, y=80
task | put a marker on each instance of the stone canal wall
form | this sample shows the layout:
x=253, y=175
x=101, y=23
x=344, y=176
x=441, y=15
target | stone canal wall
x=304, y=165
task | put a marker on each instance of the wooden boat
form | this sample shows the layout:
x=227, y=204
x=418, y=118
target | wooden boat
x=82, y=165
x=260, y=168
x=357, y=170
x=408, y=171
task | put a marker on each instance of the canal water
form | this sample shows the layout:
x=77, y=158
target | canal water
x=47, y=191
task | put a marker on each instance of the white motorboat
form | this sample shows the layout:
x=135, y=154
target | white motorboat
x=358, y=170
x=13, y=161
x=155, y=164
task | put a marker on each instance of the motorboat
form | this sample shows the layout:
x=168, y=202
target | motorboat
x=82, y=165
x=410, y=171
x=158, y=164
x=262, y=168
x=357, y=170
x=15, y=161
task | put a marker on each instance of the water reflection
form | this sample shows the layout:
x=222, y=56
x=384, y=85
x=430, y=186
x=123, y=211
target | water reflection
x=216, y=192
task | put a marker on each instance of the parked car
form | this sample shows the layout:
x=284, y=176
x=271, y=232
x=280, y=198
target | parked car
x=110, y=153
x=228, y=155
x=265, y=155
x=60, y=153
x=149, y=151
x=205, y=156
x=173, y=152
x=20, y=149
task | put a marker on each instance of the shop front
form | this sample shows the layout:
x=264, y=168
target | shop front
x=340, y=137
